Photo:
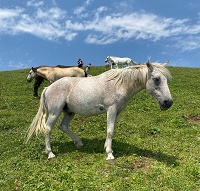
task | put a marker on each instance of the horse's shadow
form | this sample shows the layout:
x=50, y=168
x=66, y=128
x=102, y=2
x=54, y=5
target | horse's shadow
x=120, y=149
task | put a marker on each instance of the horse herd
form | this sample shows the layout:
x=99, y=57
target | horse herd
x=107, y=93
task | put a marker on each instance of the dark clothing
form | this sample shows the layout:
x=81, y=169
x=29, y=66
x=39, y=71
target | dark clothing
x=80, y=63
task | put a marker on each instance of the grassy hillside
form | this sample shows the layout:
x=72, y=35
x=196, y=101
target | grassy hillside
x=154, y=150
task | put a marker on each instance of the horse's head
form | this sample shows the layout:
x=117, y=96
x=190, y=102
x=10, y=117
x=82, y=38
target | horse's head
x=31, y=75
x=157, y=84
x=107, y=59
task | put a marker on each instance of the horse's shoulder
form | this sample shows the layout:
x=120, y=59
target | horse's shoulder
x=48, y=68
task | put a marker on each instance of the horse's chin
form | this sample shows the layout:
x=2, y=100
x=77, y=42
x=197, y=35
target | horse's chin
x=163, y=108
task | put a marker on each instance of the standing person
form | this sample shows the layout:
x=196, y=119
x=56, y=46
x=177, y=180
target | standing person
x=88, y=68
x=80, y=63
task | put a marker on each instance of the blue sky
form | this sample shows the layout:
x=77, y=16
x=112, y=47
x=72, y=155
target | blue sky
x=41, y=32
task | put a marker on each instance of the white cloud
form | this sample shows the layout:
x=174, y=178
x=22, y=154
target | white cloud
x=35, y=3
x=43, y=23
x=96, y=39
x=136, y=25
x=10, y=13
x=8, y=19
x=101, y=26
x=16, y=65
x=81, y=11
x=189, y=43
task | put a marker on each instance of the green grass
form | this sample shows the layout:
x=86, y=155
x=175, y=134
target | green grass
x=154, y=150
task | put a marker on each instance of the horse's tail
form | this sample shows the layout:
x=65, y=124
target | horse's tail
x=134, y=62
x=38, y=124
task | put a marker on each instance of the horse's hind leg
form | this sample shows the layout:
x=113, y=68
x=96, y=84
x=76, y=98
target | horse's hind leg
x=49, y=125
x=64, y=126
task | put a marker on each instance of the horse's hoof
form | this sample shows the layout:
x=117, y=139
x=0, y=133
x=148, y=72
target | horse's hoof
x=79, y=146
x=111, y=161
x=51, y=157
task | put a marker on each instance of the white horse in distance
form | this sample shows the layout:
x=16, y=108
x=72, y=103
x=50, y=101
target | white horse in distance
x=117, y=61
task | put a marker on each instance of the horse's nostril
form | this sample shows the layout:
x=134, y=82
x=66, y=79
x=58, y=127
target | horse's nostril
x=168, y=103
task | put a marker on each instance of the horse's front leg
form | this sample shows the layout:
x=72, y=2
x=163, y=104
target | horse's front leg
x=38, y=81
x=112, y=117
x=35, y=89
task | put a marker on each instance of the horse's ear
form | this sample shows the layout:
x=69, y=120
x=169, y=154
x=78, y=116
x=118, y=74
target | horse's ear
x=165, y=64
x=149, y=65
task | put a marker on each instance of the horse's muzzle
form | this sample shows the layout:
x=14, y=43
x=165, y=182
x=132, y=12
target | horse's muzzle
x=166, y=104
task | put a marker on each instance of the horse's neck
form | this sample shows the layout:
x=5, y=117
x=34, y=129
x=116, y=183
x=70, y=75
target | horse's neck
x=43, y=72
x=113, y=57
x=134, y=81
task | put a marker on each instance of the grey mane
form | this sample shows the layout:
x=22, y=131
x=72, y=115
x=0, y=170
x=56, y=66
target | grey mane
x=134, y=74
x=163, y=70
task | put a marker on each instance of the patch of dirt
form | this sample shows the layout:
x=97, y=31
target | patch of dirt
x=194, y=119
x=141, y=163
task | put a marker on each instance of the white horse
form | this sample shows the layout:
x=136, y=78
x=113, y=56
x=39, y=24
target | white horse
x=119, y=61
x=108, y=93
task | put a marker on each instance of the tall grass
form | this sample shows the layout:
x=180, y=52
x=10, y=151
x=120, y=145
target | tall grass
x=154, y=150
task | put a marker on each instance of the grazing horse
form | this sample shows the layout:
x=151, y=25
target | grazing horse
x=108, y=93
x=119, y=61
x=52, y=74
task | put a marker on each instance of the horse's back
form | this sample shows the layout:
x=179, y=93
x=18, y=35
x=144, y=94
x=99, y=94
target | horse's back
x=91, y=86
x=57, y=73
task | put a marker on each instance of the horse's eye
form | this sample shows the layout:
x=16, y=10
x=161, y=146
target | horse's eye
x=156, y=81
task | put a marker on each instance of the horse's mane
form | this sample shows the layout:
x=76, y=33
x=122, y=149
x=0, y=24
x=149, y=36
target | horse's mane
x=41, y=66
x=57, y=66
x=63, y=66
x=163, y=70
x=135, y=74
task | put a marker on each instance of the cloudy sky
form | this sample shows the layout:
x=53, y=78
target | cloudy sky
x=41, y=32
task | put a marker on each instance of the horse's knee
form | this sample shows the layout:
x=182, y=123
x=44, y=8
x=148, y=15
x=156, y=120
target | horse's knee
x=63, y=127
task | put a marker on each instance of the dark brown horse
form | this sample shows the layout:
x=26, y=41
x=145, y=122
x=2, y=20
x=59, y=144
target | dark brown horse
x=52, y=74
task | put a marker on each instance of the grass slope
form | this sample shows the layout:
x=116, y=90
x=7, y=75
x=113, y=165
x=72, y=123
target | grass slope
x=154, y=150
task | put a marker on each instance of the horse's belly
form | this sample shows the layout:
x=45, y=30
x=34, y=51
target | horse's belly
x=87, y=97
x=86, y=109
